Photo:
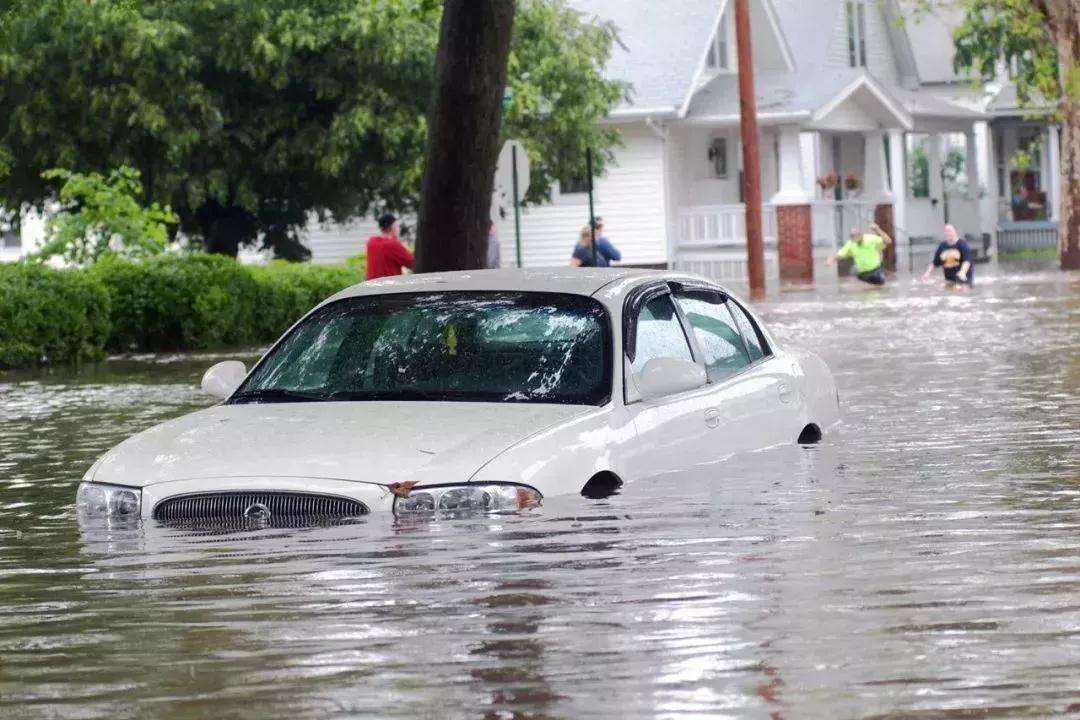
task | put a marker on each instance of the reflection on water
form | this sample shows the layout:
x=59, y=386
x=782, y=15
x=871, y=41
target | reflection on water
x=926, y=564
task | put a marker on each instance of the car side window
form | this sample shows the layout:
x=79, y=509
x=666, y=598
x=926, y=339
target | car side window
x=717, y=332
x=659, y=333
x=755, y=340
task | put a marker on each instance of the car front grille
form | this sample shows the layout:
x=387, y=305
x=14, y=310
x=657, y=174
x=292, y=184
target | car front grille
x=271, y=509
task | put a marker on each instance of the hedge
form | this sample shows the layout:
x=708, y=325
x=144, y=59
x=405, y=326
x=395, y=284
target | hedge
x=50, y=316
x=172, y=302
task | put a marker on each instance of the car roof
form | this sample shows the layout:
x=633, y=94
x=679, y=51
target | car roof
x=577, y=281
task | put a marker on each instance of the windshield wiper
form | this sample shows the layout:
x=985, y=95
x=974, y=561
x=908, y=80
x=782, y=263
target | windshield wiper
x=275, y=395
x=386, y=395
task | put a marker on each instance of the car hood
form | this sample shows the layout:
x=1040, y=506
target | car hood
x=371, y=442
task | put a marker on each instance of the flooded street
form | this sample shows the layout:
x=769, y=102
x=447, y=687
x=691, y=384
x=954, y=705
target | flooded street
x=923, y=563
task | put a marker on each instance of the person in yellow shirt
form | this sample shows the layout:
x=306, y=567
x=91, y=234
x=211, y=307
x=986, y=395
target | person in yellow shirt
x=867, y=250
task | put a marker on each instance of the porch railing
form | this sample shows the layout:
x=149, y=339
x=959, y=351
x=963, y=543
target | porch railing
x=712, y=226
x=1031, y=235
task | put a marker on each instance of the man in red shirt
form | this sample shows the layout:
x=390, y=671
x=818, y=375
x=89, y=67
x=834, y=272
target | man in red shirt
x=386, y=255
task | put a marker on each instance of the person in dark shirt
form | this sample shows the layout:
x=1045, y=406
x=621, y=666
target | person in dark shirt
x=605, y=251
x=386, y=256
x=953, y=256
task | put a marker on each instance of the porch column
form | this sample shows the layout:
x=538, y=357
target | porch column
x=988, y=203
x=1053, y=196
x=898, y=165
x=937, y=184
x=791, y=182
x=971, y=164
x=793, y=214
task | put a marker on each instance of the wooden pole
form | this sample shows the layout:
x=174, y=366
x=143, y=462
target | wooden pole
x=751, y=154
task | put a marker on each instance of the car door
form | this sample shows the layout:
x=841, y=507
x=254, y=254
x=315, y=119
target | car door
x=670, y=431
x=776, y=372
x=749, y=401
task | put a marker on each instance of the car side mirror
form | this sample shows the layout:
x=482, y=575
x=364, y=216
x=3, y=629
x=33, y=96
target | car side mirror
x=662, y=377
x=223, y=379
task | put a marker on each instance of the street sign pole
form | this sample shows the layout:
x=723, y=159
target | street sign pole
x=517, y=208
x=751, y=154
x=592, y=209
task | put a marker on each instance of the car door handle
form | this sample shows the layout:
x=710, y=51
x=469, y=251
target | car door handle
x=786, y=393
x=712, y=418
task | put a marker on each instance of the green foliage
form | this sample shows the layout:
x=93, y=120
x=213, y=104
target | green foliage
x=164, y=303
x=50, y=316
x=103, y=215
x=249, y=116
x=558, y=92
x=199, y=301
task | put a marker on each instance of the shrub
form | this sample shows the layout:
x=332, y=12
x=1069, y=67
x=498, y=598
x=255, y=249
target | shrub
x=194, y=302
x=164, y=303
x=50, y=316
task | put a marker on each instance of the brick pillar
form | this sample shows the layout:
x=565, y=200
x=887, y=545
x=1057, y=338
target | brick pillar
x=795, y=243
x=883, y=216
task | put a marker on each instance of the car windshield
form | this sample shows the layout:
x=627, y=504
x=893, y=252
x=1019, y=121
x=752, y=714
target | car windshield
x=450, y=346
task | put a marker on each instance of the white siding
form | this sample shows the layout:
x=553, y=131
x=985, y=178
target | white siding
x=336, y=243
x=879, y=52
x=630, y=198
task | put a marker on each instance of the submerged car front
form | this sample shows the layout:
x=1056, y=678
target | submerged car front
x=373, y=402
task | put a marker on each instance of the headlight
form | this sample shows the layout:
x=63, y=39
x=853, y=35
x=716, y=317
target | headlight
x=490, y=498
x=98, y=500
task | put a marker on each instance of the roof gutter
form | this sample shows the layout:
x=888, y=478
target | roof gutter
x=763, y=118
x=632, y=114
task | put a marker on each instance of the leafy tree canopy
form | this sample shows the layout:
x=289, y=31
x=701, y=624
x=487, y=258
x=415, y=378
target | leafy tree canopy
x=248, y=116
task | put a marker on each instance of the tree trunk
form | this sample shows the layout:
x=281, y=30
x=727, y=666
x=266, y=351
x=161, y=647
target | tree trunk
x=464, y=126
x=1065, y=26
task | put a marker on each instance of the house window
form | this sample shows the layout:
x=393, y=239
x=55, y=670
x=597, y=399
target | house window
x=999, y=161
x=718, y=154
x=856, y=31
x=719, y=57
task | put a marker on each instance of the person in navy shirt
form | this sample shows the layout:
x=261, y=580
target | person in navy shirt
x=954, y=257
x=605, y=251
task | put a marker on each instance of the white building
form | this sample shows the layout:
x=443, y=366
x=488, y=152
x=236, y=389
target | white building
x=838, y=91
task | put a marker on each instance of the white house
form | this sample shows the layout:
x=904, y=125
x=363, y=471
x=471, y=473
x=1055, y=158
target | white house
x=839, y=91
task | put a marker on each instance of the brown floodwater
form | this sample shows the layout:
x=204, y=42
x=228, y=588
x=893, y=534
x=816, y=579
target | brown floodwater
x=923, y=563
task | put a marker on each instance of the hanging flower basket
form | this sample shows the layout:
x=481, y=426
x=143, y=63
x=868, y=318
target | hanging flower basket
x=851, y=182
x=828, y=182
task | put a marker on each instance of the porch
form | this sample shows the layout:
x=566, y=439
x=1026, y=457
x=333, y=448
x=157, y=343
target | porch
x=859, y=160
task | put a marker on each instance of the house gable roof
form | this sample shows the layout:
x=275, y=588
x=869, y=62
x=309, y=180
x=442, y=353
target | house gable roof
x=871, y=99
x=664, y=44
x=661, y=47
x=930, y=35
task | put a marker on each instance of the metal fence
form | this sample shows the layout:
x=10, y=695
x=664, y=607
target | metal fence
x=1027, y=235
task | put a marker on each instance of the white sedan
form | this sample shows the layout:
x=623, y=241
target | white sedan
x=476, y=391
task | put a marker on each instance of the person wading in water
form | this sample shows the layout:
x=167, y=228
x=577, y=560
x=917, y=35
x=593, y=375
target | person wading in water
x=954, y=257
x=866, y=249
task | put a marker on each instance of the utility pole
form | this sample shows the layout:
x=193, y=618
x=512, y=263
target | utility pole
x=751, y=154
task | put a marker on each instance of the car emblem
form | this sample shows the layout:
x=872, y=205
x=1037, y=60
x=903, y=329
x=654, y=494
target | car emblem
x=257, y=513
